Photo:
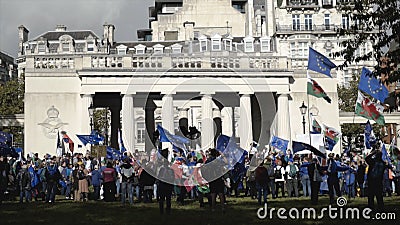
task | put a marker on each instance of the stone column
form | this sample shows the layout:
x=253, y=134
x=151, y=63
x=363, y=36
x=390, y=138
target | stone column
x=227, y=125
x=87, y=99
x=128, y=122
x=245, y=122
x=207, y=123
x=283, y=129
x=217, y=123
x=149, y=109
x=167, y=117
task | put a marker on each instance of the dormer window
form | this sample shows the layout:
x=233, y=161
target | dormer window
x=203, y=43
x=158, y=49
x=228, y=43
x=176, y=48
x=248, y=44
x=265, y=43
x=216, y=42
x=121, y=49
x=41, y=48
x=140, y=49
x=90, y=46
x=65, y=46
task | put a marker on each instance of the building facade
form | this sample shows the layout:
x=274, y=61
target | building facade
x=222, y=66
x=8, y=68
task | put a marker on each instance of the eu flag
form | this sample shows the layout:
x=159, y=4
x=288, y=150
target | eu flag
x=372, y=86
x=176, y=140
x=279, y=143
x=319, y=63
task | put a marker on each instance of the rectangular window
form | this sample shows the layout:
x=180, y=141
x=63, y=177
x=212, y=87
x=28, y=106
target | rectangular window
x=41, y=48
x=216, y=44
x=65, y=47
x=228, y=45
x=308, y=22
x=345, y=22
x=140, y=51
x=293, y=50
x=203, y=45
x=296, y=22
x=303, y=50
x=248, y=46
x=327, y=22
x=176, y=50
x=171, y=35
x=265, y=45
x=141, y=132
x=90, y=46
x=121, y=51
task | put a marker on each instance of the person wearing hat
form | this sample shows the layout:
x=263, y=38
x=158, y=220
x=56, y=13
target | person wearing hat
x=96, y=182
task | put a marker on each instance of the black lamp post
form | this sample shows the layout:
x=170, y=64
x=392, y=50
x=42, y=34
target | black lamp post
x=91, y=112
x=303, y=110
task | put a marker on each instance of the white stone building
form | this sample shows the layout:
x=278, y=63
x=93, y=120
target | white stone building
x=198, y=64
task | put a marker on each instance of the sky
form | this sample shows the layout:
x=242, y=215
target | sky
x=40, y=16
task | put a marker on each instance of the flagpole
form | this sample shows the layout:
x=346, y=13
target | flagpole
x=308, y=104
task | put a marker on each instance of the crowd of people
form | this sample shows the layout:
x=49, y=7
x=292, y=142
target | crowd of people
x=79, y=177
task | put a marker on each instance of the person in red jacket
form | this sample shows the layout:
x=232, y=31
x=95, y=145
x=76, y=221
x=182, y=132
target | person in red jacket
x=109, y=177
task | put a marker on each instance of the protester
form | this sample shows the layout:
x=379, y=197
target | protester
x=279, y=174
x=109, y=176
x=305, y=179
x=127, y=173
x=52, y=177
x=262, y=183
x=24, y=181
x=315, y=174
x=83, y=183
x=96, y=182
x=291, y=178
x=375, y=177
x=165, y=188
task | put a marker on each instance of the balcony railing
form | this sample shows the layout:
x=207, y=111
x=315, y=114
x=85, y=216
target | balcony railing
x=301, y=3
x=306, y=27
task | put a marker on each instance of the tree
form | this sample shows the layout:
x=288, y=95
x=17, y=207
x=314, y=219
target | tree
x=12, y=97
x=378, y=22
x=12, y=102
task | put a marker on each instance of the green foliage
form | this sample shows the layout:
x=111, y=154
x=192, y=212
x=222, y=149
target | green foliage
x=101, y=119
x=12, y=102
x=378, y=22
x=12, y=97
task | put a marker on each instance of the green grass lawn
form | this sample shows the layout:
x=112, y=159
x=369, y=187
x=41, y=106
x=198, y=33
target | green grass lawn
x=238, y=211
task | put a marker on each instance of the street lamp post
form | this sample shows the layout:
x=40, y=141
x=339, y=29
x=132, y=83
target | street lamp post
x=303, y=110
x=91, y=112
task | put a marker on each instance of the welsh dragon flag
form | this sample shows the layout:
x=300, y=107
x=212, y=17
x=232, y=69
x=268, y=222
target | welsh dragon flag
x=368, y=109
x=314, y=89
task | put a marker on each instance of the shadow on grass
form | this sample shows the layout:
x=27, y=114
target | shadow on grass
x=238, y=211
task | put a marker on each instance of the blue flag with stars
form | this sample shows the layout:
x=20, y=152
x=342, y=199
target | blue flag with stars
x=372, y=86
x=279, y=143
x=319, y=63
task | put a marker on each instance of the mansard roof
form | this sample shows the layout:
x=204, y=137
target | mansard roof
x=76, y=35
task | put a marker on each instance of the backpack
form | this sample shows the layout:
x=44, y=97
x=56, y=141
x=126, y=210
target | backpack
x=278, y=173
x=54, y=174
x=292, y=171
x=81, y=175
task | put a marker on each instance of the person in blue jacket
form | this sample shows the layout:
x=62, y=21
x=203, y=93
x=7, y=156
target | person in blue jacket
x=96, y=182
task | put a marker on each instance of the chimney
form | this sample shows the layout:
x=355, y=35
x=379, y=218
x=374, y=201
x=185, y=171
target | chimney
x=22, y=37
x=61, y=27
x=105, y=33
x=111, y=29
